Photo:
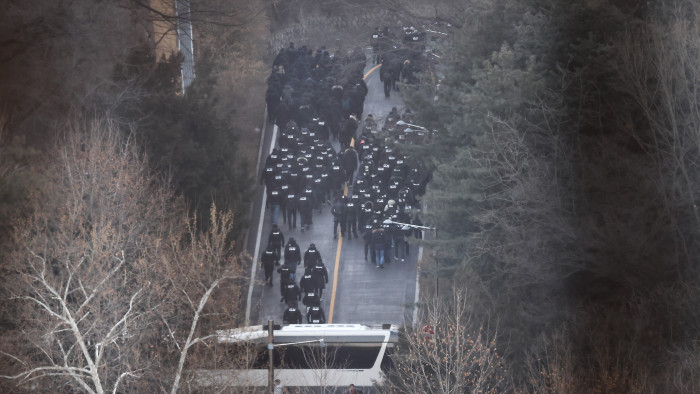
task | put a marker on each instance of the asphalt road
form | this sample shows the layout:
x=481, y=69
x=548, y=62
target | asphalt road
x=357, y=292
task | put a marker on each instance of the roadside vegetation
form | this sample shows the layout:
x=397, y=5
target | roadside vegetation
x=565, y=188
x=122, y=197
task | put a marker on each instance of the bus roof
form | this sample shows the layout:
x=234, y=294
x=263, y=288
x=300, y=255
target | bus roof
x=343, y=333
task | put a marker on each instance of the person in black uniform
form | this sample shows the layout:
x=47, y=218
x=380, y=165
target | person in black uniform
x=338, y=211
x=311, y=298
x=315, y=315
x=291, y=293
x=319, y=275
x=275, y=201
x=290, y=202
x=365, y=214
x=351, y=209
x=337, y=176
x=347, y=133
x=349, y=162
x=292, y=315
x=306, y=283
x=276, y=241
x=292, y=252
x=267, y=261
x=305, y=207
x=285, y=277
x=376, y=41
x=387, y=76
x=312, y=257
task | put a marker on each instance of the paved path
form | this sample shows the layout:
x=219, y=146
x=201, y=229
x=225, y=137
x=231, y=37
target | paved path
x=363, y=293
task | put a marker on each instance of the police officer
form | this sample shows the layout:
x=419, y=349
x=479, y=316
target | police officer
x=338, y=211
x=268, y=174
x=347, y=133
x=291, y=293
x=285, y=277
x=305, y=207
x=349, y=162
x=318, y=193
x=274, y=197
x=315, y=315
x=291, y=203
x=292, y=315
x=387, y=76
x=376, y=41
x=306, y=284
x=351, y=209
x=312, y=257
x=284, y=191
x=366, y=212
x=337, y=177
x=292, y=253
x=267, y=261
x=311, y=298
x=319, y=276
x=276, y=240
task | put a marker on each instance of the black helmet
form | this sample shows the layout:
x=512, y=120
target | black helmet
x=312, y=246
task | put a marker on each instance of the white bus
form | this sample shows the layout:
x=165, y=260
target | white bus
x=306, y=356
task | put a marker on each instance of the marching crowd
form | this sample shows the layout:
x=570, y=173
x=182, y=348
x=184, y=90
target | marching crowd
x=315, y=99
x=311, y=284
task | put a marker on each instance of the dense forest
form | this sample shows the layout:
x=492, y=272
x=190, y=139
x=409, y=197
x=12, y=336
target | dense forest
x=565, y=188
x=565, y=173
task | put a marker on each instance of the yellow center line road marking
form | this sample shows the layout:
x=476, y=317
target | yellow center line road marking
x=335, y=280
x=337, y=265
x=340, y=243
x=370, y=71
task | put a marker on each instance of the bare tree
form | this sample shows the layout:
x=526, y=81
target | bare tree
x=447, y=353
x=106, y=267
x=197, y=269
x=97, y=219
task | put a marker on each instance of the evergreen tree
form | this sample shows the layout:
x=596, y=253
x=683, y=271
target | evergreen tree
x=186, y=139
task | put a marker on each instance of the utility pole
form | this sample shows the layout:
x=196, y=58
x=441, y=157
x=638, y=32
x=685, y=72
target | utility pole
x=270, y=349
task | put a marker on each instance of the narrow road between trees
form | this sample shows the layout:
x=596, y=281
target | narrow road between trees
x=357, y=292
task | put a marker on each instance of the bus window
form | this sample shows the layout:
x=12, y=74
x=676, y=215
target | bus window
x=330, y=357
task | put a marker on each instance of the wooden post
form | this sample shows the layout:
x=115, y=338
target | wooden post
x=271, y=364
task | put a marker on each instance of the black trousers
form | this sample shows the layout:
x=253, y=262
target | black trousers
x=292, y=217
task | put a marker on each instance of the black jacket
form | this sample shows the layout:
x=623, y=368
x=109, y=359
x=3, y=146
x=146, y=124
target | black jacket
x=316, y=315
x=292, y=254
x=292, y=316
x=319, y=275
x=312, y=257
x=291, y=293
